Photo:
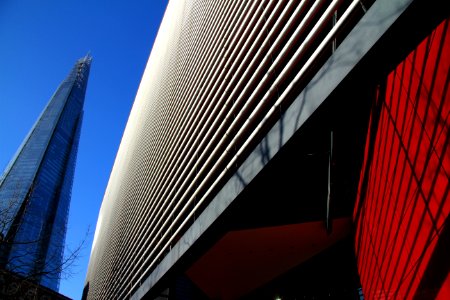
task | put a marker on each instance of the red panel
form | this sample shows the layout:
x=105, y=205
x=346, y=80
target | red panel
x=404, y=187
x=246, y=259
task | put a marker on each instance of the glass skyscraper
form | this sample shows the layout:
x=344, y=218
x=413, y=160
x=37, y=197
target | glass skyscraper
x=35, y=189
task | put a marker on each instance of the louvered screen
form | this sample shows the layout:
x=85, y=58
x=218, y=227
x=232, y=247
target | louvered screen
x=219, y=74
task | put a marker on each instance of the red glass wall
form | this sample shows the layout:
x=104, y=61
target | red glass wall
x=403, y=205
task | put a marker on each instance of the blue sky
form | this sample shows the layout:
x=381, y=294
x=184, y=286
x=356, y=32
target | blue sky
x=39, y=43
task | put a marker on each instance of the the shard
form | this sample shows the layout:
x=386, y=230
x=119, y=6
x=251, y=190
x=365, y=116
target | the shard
x=35, y=188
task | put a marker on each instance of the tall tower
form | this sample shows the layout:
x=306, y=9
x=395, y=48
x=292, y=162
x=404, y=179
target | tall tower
x=35, y=189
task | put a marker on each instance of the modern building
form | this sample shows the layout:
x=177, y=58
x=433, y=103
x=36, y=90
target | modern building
x=35, y=189
x=284, y=150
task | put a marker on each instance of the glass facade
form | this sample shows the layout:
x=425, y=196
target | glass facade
x=35, y=189
x=402, y=219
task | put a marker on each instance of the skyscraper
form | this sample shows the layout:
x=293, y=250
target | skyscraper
x=284, y=150
x=35, y=189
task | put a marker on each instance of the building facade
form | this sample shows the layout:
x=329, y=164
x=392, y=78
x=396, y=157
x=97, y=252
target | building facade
x=35, y=189
x=284, y=150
